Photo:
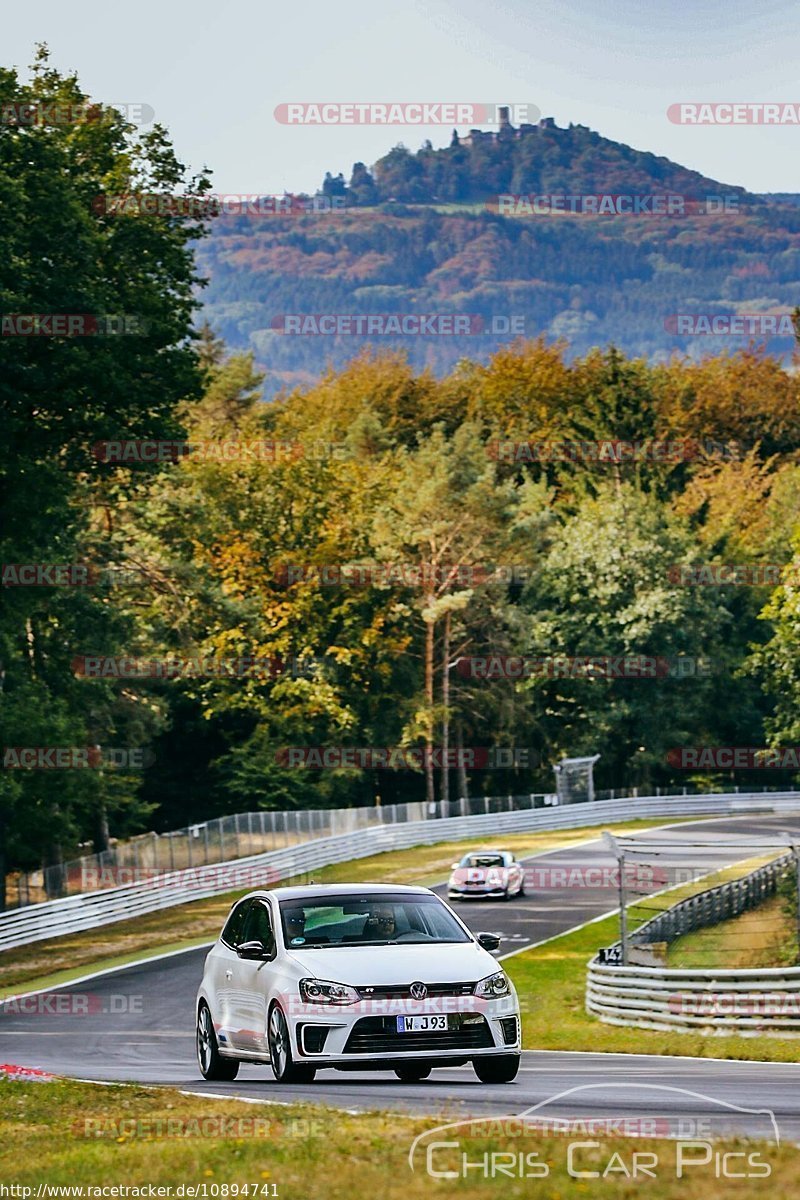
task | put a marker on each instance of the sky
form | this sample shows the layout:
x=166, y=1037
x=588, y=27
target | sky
x=214, y=74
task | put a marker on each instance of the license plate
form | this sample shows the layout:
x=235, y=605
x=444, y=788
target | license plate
x=423, y=1024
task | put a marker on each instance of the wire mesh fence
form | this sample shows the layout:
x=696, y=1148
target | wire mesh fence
x=767, y=893
x=241, y=835
x=717, y=904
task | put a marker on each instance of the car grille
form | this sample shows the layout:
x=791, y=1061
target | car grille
x=378, y=1035
x=402, y=991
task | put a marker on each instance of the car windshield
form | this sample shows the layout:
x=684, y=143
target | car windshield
x=482, y=860
x=371, y=919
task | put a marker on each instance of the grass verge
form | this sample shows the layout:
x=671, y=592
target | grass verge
x=764, y=937
x=50, y=963
x=73, y=1134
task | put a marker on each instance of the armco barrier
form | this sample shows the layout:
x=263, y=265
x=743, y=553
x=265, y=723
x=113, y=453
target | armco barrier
x=245, y=834
x=718, y=1002
x=716, y=904
x=91, y=910
x=712, y=1000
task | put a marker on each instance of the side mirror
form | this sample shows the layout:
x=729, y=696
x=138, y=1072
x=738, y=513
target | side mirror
x=489, y=941
x=453, y=866
x=253, y=949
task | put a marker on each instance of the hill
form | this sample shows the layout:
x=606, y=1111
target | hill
x=430, y=233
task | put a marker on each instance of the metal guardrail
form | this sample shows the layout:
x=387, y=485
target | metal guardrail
x=237, y=836
x=91, y=910
x=720, y=1002
x=712, y=1000
x=720, y=903
x=242, y=835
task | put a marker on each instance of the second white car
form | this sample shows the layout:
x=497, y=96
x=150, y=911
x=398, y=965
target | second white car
x=486, y=873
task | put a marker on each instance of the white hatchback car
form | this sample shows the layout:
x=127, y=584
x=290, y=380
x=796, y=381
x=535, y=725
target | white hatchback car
x=356, y=977
x=486, y=873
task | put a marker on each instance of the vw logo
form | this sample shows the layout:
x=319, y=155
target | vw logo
x=419, y=991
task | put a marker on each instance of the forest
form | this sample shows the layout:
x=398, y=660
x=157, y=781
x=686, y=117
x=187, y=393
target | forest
x=387, y=583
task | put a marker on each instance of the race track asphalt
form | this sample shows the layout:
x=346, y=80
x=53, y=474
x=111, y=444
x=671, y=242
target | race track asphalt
x=137, y=1023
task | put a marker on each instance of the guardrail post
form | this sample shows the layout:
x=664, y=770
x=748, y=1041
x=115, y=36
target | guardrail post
x=796, y=856
x=612, y=844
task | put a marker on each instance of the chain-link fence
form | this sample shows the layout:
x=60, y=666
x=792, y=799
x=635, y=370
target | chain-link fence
x=243, y=834
x=237, y=836
x=717, y=904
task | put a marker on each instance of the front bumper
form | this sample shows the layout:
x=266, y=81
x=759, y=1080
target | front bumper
x=367, y=1032
x=454, y=893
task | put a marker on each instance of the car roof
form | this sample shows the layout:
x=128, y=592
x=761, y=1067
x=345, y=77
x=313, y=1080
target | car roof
x=317, y=891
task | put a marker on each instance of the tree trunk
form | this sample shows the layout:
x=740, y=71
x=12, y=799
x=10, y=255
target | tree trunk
x=53, y=872
x=445, y=788
x=2, y=863
x=463, y=781
x=101, y=840
x=430, y=791
x=30, y=640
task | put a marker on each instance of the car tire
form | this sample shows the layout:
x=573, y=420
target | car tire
x=284, y=1068
x=412, y=1072
x=212, y=1065
x=500, y=1068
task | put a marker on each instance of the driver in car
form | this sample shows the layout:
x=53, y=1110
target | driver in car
x=295, y=919
x=380, y=925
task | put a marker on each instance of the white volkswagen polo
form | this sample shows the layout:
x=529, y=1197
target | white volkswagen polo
x=356, y=977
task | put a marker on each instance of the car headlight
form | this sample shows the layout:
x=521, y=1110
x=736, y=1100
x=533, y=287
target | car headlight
x=322, y=991
x=493, y=985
